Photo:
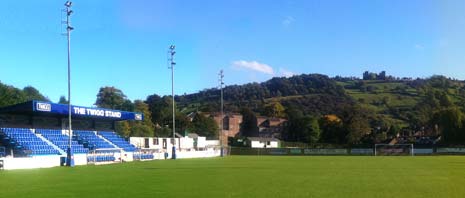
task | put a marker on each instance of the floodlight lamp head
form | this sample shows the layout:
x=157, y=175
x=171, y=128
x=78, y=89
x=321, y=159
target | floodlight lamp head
x=68, y=3
x=172, y=47
x=173, y=53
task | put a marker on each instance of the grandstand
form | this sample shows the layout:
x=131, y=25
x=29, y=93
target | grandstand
x=117, y=140
x=92, y=140
x=34, y=135
x=25, y=142
x=61, y=140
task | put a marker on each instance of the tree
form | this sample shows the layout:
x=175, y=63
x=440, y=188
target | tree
x=204, y=126
x=450, y=122
x=312, y=130
x=162, y=114
x=444, y=100
x=62, y=100
x=10, y=95
x=182, y=122
x=305, y=129
x=112, y=98
x=143, y=128
x=32, y=93
x=123, y=128
x=275, y=110
x=127, y=105
x=249, y=126
x=393, y=130
x=356, y=121
x=357, y=128
x=291, y=130
x=332, y=130
x=160, y=108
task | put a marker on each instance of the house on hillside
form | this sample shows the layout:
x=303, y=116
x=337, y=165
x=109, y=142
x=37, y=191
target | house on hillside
x=231, y=122
x=270, y=127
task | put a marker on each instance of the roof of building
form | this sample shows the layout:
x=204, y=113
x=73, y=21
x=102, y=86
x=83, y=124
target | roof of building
x=262, y=139
x=40, y=108
x=192, y=135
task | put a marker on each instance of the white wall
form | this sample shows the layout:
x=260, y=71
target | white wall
x=210, y=152
x=80, y=159
x=184, y=143
x=31, y=162
x=259, y=144
x=187, y=143
x=201, y=142
x=212, y=143
x=139, y=142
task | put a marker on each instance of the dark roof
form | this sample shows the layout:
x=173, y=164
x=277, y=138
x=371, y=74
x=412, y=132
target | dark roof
x=262, y=139
x=192, y=135
x=40, y=108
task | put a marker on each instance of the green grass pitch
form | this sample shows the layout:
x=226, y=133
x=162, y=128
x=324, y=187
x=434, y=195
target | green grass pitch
x=248, y=176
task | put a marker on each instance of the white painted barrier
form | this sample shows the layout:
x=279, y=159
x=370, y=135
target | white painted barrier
x=198, y=154
x=423, y=151
x=361, y=151
x=80, y=159
x=450, y=150
x=325, y=151
x=10, y=163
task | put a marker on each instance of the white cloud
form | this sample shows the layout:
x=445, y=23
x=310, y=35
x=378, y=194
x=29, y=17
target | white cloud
x=285, y=72
x=288, y=20
x=253, y=65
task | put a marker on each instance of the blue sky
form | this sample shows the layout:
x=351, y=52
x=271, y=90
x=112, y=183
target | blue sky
x=123, y=43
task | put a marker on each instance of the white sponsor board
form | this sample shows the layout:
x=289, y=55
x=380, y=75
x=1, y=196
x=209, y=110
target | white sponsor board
x=450, y=150
x=360, y=151
x=96, y=112
x=425, y=151
x=325, y=151
x=43, y=107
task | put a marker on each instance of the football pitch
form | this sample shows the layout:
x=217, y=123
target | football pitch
x=248, y=176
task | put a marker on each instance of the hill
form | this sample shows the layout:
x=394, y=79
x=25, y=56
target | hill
x=307, y=91
x=318, y=94
x=372, y=109
x=337, y=110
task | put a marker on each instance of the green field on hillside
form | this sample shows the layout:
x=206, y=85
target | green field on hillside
x=248, y=176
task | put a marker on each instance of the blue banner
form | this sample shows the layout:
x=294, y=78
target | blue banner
x=62, y=109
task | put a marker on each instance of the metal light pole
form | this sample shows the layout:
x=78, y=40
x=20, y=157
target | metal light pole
x=69, y=152
x=220, y=79
x=172, y=63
